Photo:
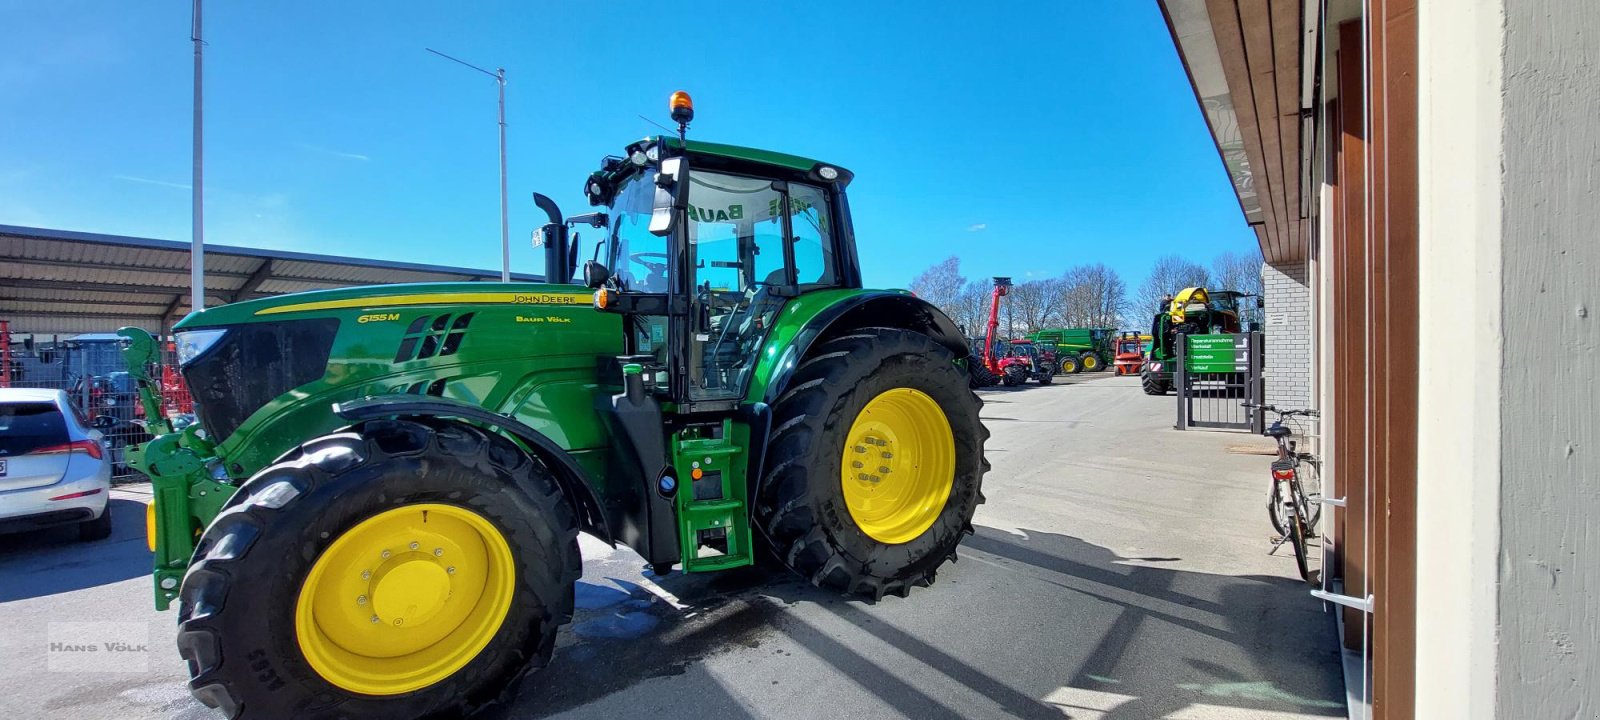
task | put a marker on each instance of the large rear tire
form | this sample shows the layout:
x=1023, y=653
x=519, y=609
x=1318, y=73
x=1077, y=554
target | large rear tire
x=457, y=552
x=978, y=375
x=1090, y=362
x=1153, y=384
x=893, y=399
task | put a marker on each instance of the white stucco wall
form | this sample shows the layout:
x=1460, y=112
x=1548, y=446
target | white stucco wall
x=1549, y=643
x=1459, y=339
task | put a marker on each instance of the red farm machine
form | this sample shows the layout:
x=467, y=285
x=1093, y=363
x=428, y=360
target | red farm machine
x=1006, y=362
x=1129, y=358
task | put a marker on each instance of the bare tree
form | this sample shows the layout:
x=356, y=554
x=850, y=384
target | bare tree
x=941, y=284
x=1238, y=271
x=1170, y=274
x=1036, y=303
x=971, y=311
x=1090, y=296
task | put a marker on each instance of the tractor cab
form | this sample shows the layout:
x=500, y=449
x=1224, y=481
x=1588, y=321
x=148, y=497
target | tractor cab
x=702, y=246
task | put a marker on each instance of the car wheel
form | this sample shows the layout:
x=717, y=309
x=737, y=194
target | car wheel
x=98, y=528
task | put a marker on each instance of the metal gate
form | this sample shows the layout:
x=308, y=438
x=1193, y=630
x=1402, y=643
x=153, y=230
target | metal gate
x=90, y=369
x=1217, y=378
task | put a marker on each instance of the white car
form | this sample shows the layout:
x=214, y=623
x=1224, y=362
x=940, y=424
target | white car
x=54, y=469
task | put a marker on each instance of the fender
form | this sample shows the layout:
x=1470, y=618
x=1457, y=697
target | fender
x=571, y=476
x=870, y=308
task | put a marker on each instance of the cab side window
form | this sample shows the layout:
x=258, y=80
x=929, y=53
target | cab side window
x=813, y=237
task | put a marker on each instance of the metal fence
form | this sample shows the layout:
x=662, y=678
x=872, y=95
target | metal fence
x=1217, y=377
x=91, y=371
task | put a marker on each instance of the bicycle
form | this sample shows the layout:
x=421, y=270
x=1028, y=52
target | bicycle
x=1293, y=510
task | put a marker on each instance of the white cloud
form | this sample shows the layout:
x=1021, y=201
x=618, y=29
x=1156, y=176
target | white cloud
x=148, y=181
x=978, y=227
x=335, y=153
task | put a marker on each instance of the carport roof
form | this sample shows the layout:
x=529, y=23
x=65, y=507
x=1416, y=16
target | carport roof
x=61, y=281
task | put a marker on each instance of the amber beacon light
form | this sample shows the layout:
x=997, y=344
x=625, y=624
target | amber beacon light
x=682, y=108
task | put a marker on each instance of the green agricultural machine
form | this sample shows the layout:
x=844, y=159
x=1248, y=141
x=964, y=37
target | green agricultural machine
x=1191, y=312
x=1079, y=349
x=376, y=513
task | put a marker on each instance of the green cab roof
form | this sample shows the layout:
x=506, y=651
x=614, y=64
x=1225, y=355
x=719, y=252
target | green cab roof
x=737, y=152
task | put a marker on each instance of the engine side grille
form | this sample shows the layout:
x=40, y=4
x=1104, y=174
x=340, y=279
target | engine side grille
x=433, y=336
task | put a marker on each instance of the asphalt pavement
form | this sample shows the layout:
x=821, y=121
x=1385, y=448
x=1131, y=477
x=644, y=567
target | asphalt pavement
x=1119, y=571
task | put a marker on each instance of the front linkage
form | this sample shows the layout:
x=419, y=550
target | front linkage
x=184, y=471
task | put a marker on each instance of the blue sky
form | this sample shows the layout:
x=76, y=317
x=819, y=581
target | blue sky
x=1025, y=138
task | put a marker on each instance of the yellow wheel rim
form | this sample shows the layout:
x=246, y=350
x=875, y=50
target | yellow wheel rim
x=898, y=465
x=405, y=599
x=1069, y=366
x=1091, y=362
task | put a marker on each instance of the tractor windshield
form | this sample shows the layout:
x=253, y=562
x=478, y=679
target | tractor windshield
x=638, y=258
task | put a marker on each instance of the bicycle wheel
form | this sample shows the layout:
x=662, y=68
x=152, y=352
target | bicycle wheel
x=1277, y=510
x=1297, y=538
x=1309, y=486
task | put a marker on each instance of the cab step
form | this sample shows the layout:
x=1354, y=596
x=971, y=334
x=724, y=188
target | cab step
x=713, y=518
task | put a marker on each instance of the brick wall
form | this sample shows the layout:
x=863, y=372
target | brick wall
x=1287, y=329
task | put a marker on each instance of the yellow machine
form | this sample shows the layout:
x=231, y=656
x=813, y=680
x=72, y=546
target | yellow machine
x=1194, y=299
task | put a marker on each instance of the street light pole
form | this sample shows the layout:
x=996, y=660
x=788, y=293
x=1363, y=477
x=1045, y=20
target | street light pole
x=499, y=76
x=505, y=221
x=197, y=250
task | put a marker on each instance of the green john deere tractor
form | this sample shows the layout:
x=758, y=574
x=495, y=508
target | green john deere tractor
x=376, y=514
x=1192, y=311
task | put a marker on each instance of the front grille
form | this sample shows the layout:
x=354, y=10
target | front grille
x=254, y=364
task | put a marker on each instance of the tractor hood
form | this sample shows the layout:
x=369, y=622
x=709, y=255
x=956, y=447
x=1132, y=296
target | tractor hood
x=343, y=301
x=280, y=362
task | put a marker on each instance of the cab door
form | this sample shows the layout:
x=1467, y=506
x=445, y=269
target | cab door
x=752, y=243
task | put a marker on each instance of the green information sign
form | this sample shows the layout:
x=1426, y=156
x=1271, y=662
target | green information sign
x=1217, y=353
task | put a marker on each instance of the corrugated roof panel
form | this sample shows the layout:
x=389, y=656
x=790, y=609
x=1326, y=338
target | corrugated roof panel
x=60, y=281
x=74, y=324
x=62, y=295
x=88, y=276
x=9, y=307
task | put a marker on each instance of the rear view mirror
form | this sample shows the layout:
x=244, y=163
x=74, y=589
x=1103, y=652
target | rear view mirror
x=672, y=194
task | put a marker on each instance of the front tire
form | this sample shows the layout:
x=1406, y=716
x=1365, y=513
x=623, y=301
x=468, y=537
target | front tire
x=1153, y=384
x=459, y=547
x=893, y=399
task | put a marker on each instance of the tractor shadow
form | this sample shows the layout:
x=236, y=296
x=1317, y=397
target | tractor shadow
x=53, y=561
x=623, y=634
x=1086, y=629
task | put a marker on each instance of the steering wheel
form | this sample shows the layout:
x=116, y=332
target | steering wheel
x=659, y=268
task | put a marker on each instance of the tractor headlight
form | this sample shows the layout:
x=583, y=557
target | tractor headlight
x=194, y=343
